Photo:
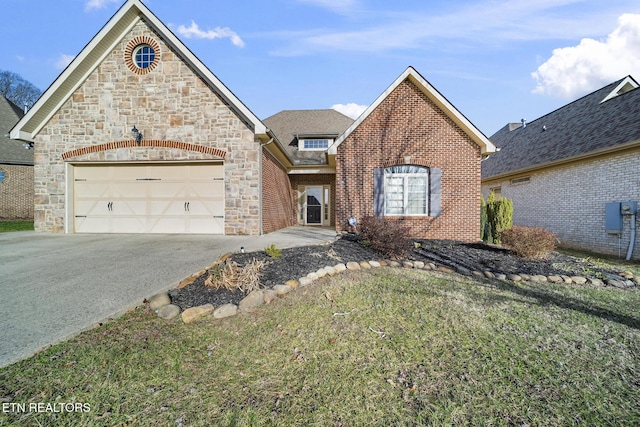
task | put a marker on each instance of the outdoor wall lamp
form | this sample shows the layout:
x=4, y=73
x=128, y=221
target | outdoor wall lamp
x=28, y=145
x=137, y=135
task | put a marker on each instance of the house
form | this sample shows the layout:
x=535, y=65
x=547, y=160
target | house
x=562, y=169
x=412, y=157
x=137, y=135
x=306, y=136
x=16, y=168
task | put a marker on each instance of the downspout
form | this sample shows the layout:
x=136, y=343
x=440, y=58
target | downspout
x=261, y=228
x=632, y=242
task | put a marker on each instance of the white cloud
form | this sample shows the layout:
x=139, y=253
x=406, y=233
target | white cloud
x=194, y=31
x=98, y=4
x=468, y=24
x=574, y=71
x=351, y=109
x=64, y=60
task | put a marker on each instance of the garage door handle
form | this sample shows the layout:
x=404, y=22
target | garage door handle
x=110, y=206
x=186, y=206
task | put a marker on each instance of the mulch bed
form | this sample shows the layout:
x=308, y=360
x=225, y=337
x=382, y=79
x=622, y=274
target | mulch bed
x=298, y=262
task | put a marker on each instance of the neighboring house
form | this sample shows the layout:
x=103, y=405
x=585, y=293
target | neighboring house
x=16, y=168
x=138, y=136
x=562, y=169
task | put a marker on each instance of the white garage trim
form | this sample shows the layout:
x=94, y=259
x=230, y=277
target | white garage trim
x=167, y=198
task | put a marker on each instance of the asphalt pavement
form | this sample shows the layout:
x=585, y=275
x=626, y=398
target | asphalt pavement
x=54, y=286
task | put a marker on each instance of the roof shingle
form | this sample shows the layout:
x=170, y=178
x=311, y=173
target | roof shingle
x=584, y=126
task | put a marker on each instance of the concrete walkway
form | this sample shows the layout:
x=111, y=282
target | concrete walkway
x=54, y=286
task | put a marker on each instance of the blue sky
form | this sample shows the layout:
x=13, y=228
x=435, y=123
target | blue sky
x=497, y=61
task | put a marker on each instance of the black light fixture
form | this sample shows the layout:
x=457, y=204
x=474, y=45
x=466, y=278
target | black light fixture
x=137, y=135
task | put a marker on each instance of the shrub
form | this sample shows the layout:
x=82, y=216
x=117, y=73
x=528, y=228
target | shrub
x=483, y=219
x=231, y=276
x=272, y=251
x=499, y=216
x=387, y=237
x=529, y=242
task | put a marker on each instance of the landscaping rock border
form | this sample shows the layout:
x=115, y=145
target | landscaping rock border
x=161, y=303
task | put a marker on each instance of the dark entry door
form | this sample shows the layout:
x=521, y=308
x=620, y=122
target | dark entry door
x=314, y=205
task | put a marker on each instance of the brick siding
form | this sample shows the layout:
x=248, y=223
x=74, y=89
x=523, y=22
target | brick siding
x=169, y=103
x=408, y=123
x=16, y=192
x=570, y=200
x=300, y=181
x=278, y=205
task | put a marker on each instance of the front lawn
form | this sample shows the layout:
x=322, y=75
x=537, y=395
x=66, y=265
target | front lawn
x=16, y=225
x=378, y=347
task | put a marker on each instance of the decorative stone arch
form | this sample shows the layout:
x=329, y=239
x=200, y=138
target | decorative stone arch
x=148, y=143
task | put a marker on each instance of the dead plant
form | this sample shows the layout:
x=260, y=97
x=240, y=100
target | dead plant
x=229, y=275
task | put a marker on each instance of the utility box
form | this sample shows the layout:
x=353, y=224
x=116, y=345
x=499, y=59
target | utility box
x=613, y=218
x=628, y=208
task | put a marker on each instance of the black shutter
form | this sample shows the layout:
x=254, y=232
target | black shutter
x=378, y=192
x=435, y=192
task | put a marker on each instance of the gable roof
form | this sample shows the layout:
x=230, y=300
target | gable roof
x=605, y=120
x=11, y=151
x=486, y=146
x=98, y=48
x=291, y=125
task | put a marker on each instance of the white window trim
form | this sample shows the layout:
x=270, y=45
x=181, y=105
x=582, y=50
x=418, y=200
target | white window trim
x=302, y=144
x=405, y=177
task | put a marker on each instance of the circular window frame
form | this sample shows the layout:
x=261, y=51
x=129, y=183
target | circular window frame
x=132, y=48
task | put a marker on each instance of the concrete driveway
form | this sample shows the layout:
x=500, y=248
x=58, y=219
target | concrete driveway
x=54, y=286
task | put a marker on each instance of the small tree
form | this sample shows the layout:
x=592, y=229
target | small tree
x=499, y=216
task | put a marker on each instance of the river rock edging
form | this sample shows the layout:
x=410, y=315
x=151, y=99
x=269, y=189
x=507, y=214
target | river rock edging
x=161, y=303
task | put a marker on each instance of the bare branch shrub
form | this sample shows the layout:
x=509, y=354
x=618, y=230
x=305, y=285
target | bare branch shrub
x=231, y=276
x=529, y=242
x=388, y=238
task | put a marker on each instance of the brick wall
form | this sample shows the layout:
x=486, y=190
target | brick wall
x=570, y=200
x=16, y=192
x=169, y=103
x=298, y=183
x=407, y=123
x=278, y=206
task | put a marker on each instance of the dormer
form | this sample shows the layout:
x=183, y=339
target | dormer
x=627, y=84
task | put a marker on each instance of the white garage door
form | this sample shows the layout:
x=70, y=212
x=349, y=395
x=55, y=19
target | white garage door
x=149, y=199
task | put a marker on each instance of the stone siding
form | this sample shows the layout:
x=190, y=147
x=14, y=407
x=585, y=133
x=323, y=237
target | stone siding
x=169, y=103
x=16, y=192
x=570, y=200
x=408, y=128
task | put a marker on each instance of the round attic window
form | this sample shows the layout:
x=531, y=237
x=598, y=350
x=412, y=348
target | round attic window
x=142, y=55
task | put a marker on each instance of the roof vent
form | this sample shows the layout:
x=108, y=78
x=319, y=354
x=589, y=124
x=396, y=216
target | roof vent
x=524, y=123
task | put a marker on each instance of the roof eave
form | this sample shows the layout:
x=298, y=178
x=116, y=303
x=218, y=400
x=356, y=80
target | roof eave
x=486, y=146
x=597, y=153
x=97, y=49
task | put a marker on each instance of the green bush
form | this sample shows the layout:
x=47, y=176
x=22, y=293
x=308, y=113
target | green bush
x=483, y=219
x=499, y=216
x=529, y=242
x=272, y=251
x=387, y=237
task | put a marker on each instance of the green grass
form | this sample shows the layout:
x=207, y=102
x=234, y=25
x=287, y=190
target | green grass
x=18, y=225
x=388, y=347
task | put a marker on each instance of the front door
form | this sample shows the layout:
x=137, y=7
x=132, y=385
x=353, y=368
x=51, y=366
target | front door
x=314, y=205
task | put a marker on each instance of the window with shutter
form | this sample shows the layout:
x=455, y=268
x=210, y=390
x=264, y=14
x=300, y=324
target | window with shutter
x=407, y=190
